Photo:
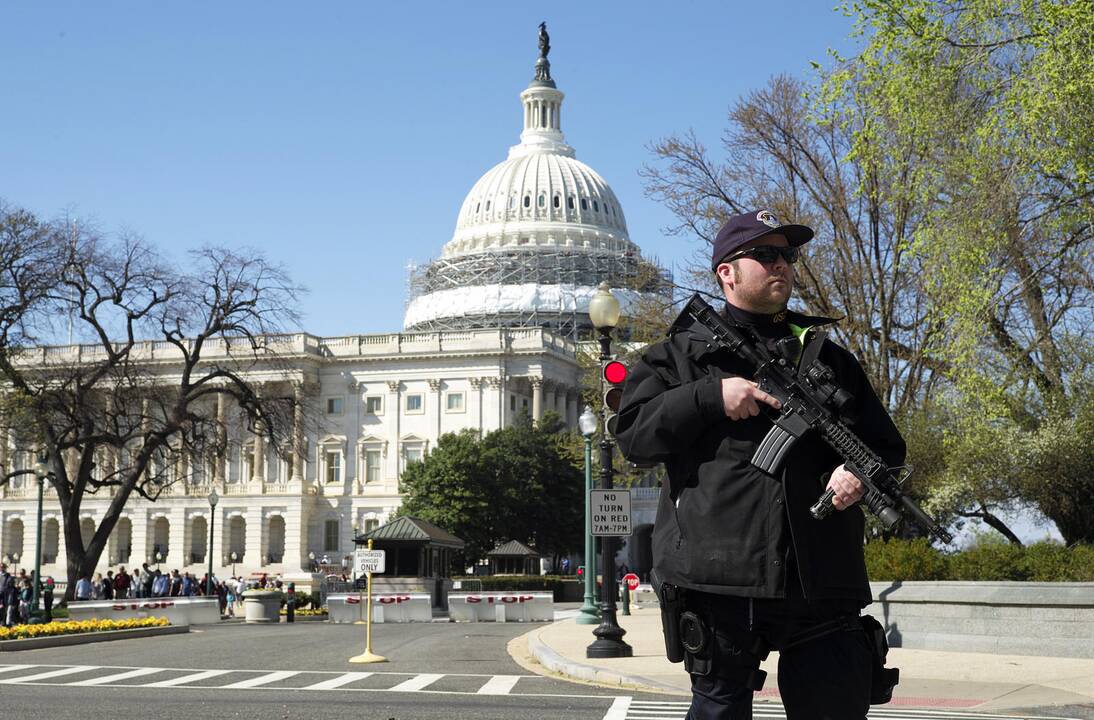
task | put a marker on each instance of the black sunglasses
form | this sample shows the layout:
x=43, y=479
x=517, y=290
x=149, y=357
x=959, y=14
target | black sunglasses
x=767, y=254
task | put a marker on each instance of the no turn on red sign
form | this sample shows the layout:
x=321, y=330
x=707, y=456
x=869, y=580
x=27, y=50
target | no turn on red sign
x=610, y=513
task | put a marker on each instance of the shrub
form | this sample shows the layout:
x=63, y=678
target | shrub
x=988, y=560
x=904, y=560
x=1049, y=562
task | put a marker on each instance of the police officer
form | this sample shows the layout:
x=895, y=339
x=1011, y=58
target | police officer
x=735, y=549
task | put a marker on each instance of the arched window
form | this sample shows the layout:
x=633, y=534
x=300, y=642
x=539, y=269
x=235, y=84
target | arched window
x=477, y=206
x=512, y=202
x=542, y=200
x=570, y=202
x=558, y=201
x=487, y=206
x=527, y=201
x=596, y=206
x=584, y=204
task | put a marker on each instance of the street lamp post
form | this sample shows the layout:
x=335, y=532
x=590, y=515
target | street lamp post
x=41, y=471
x=212, y=519
x=604, y=313
x=589, y=614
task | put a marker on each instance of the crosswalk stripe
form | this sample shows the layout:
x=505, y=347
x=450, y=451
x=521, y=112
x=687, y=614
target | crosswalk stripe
x=47, y=675
x=499, y=685
x=337, y=682
x=118, y=676
x=417, y=682
x=619, y=708
x=184, y=679
x=10, y=668
x=260, y=680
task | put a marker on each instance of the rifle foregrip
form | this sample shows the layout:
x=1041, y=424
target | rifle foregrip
x=823, y=507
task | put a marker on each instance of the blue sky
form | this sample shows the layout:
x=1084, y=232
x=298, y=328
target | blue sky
x=341, y=137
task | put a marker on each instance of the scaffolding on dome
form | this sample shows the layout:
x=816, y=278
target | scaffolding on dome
x=539, y=267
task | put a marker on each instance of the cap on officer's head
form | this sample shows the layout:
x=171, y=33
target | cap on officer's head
x=746, y=227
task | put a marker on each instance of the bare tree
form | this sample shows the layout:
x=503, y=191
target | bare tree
x=133, y=408
x=785, y=154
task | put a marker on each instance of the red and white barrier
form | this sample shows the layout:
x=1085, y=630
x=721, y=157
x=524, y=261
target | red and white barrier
x=386, y=607
x=513, y=606
x=177, y=610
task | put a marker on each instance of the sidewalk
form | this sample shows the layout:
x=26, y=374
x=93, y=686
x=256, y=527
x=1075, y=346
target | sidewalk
x=928, y=678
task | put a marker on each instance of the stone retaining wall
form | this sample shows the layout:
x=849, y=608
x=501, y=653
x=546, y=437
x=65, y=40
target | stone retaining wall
x=1017, y=618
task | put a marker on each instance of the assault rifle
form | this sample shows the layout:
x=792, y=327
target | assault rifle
x=812, y=401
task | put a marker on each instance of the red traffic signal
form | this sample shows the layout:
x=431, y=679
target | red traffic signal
x=615, y=372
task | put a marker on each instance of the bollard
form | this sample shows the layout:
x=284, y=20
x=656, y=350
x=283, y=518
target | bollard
x=290, y=604
x=626, y=599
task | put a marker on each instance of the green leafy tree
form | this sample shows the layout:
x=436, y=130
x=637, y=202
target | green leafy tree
x=517, y=483
x=996, y=94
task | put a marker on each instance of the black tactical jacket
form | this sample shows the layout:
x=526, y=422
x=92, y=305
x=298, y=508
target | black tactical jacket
x=723, y=525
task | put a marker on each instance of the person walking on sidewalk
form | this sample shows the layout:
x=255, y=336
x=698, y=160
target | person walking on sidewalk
x=736, y=553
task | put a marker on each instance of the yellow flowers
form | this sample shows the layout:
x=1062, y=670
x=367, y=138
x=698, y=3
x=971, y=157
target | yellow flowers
x=71, y=627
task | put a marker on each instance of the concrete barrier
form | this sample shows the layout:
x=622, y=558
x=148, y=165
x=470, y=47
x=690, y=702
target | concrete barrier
x=515, y=606
x=178, y=610
x=1016, y=618
x=645, y=597
x=386, y=607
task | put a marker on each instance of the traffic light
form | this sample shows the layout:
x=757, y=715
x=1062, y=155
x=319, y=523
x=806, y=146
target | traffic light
x=614, y=374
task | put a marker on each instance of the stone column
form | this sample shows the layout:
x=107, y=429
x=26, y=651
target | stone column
x=435, y=386
x=498, y=386
x=142, y=546
x=258, y=467
x=182, y=466
x=5, y=438
x=220, y=463
x=394, y=405
x=295, y=535
x=476, y=390
x=573, y=399
x=177, y=552
x=299, y=446
x=537, y=397
x=252, y=543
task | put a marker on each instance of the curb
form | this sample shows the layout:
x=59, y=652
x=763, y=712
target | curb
x=556, y=663
x=92, y=637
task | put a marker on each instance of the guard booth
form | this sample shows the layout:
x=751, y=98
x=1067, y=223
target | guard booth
x=513, y=558
x=418, y=555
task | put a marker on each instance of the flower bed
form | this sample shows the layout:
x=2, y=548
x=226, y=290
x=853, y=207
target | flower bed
x=306, y=613
x=19, y=632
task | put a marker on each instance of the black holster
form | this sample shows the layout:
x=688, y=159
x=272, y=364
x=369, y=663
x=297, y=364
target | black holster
x=672, y=607
x=883, y=679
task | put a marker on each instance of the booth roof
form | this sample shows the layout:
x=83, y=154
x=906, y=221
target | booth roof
x=513, y=548
x=411, y=529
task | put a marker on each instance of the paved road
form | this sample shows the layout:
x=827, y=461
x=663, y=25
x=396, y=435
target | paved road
x=452, y=671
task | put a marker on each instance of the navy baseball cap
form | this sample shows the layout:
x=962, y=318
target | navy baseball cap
x=746, y=227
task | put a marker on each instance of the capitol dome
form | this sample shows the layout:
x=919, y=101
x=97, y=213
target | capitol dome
x=534, y=237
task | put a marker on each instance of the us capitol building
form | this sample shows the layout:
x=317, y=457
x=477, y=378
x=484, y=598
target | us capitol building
x=492, y=329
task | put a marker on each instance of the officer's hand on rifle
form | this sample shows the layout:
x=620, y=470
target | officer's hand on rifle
x=848, y=489
x=741, y=398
